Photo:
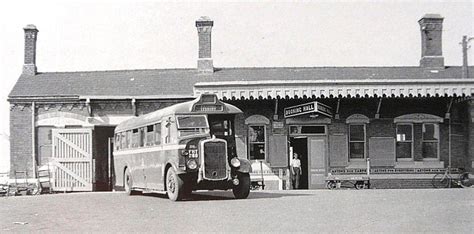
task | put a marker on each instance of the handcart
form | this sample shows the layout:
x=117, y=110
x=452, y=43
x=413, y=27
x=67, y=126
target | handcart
x=349, y=181
x=342, y=181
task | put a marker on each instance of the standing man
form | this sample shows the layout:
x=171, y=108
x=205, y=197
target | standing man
x=296, y=170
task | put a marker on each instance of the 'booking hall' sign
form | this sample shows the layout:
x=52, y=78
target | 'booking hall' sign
x=311, y=107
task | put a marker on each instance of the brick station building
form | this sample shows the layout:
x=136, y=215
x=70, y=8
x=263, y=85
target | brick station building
x=410, y=121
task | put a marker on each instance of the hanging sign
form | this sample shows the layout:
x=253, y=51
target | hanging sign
x=307, y=108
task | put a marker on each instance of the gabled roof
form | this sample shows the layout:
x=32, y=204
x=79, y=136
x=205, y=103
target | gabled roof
x=179, y=83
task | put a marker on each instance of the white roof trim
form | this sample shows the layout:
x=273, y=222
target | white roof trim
x=336, y=81
x=337, y=88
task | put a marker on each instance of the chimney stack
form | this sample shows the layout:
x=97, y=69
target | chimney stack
x=431, y=26
x=29, y=66
x=204, y=27
x=465, y=47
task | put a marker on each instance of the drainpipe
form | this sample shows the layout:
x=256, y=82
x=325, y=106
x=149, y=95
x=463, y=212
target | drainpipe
x=33, y=138
x=448, y=116
x=275, y=113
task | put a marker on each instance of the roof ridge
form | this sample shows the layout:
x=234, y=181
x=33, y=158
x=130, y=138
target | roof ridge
x=312, y=67
x=242, y=68
x=120, y=70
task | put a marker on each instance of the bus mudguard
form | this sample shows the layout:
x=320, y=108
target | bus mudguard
x=245, y=166
x=176, y=168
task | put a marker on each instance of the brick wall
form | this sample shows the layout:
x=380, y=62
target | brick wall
x=30, y=47
x=21, y=140
x=381, y=128
x=204, y=45
x=384, y=126
x=145, y=107
x=470, y=124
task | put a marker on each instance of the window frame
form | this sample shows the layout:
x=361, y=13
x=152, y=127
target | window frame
x=431, y=141
x=135, y=138
x=118, y=141
x=129, y=138
x=141, y=137
x=411, y=145
x=349, y=142
x=179, y=127
x=168, y=121
x=157, y=140
x=148, y=141
x=265, y=139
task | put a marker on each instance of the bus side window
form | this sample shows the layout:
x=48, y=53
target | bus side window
x=168, y=123
x=158, y=134
x=149, y=135
x=142, y=137
x=123, y=138
x=117, y=141
x=128, y=139
x=135, y=138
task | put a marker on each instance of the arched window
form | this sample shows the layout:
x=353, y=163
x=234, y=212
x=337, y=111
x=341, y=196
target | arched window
x=257, y=136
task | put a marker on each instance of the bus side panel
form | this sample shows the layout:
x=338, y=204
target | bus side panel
x=172, y=157
x=154, y=162
x=137, y=169
x=147, y=168
x=119, y=168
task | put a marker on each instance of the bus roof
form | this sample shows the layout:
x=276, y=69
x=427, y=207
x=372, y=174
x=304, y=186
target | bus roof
x=204, y=104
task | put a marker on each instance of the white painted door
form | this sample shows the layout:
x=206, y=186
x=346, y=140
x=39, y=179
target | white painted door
x=72, y=158
x=317, y=148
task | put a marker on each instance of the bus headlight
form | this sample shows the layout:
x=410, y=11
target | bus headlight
x=235, y=162
x=192, y=164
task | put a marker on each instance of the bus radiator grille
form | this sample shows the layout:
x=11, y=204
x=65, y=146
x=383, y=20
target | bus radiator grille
x=215, y=160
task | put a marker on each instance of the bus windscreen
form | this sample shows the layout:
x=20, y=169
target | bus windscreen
x=197, y=121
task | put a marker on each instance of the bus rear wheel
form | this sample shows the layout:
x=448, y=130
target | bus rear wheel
x=242, y=190
x=128, y=182
x=174, y=185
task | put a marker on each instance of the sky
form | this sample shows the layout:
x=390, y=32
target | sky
x=117, y=35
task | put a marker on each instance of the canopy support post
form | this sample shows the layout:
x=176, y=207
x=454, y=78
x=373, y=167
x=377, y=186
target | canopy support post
x=377, y=115
x=336, y=116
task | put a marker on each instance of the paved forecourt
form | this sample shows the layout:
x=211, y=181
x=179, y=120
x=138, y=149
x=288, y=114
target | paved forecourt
x=422, y=210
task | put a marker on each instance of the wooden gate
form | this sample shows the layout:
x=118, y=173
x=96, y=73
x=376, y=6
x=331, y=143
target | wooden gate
x=72, y=158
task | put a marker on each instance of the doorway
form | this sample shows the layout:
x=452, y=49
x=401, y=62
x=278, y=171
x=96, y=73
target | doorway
x=299, y=145
x=102, y=161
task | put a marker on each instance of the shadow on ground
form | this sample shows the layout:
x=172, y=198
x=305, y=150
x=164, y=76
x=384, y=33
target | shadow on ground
x=227, y=195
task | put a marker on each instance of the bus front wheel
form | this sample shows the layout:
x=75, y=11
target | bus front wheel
x=174, y=185
x=242, y=190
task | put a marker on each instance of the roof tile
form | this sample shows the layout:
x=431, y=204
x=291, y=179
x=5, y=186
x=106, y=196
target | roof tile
x=180, y=82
